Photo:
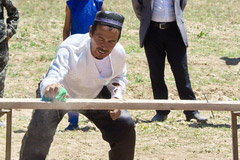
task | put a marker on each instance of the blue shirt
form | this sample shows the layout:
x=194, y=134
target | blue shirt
x=83, y=13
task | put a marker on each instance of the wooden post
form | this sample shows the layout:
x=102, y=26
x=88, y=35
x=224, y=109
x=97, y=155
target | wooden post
x=9, y=135
x=234, y=135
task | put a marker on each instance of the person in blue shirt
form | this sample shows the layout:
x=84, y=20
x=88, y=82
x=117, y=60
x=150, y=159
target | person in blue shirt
x=80, y=15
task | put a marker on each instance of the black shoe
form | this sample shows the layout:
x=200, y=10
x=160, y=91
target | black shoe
x=159, y=117
x=196, y=116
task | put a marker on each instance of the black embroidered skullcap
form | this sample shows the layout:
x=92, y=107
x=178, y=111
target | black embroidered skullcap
x=109, y=18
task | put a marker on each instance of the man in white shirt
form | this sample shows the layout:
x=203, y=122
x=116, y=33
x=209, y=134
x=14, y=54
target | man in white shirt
x=91, y=65
x=163, y=34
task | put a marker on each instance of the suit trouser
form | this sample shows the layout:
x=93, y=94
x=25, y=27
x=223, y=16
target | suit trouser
x=162, y=43
x=120, y=133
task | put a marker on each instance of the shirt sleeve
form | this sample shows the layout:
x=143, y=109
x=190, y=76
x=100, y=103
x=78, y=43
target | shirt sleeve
x=183, y=4
x=99, y=4
x=70, y=4
x=13, y=16
x=137, y=7
x=58, y=69
x=117, y=86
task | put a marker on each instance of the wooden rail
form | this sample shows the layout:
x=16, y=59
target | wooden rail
x=109, y=104
x=103, y=104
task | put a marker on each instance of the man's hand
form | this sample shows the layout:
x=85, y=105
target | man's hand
x=115, y=114
x=52, y=90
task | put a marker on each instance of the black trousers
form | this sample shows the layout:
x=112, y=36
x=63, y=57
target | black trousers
x=120, y=133
x=162, y=43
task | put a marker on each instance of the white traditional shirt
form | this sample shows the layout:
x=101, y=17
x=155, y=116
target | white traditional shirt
x=163, y=11
x=103, y=66
x=74, y=67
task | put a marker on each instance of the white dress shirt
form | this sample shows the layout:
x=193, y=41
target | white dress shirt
x=163, y=11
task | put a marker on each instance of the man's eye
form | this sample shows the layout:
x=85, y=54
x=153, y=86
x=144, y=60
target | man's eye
x=111, y=42
x=100, y=39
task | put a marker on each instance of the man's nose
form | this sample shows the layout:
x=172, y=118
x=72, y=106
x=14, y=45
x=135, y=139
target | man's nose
x=104, y=46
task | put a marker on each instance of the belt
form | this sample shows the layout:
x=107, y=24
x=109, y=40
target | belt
x=163, y=25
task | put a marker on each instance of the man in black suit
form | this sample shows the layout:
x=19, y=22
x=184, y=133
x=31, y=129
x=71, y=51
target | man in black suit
x=163, y=34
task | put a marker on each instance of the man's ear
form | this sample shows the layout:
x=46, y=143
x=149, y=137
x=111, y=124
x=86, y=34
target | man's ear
x=90, y=31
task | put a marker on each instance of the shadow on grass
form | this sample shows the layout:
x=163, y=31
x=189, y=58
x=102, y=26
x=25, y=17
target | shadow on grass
x=203, y=125
x=193, y=125
x=231, y=61
x=19, y=131
x=137, y=120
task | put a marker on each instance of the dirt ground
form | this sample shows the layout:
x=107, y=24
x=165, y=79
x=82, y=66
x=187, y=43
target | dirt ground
x=174, y=139
x=213, y=59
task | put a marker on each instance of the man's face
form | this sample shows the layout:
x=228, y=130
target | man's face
x=103, y=40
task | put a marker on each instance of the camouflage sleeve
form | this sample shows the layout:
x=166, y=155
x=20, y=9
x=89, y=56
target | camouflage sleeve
x=13, y=16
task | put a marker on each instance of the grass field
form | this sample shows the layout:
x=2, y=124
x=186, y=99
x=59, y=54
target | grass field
x=213, y=29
